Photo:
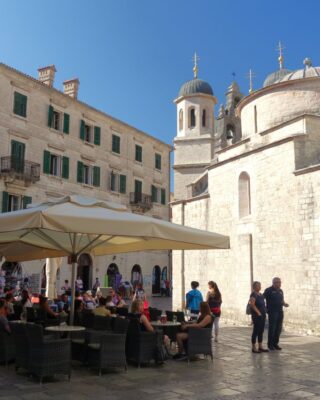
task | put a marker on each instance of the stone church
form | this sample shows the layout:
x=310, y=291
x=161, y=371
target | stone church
x=252, y=172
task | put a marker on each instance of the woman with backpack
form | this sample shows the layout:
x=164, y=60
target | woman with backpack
x=258, y=314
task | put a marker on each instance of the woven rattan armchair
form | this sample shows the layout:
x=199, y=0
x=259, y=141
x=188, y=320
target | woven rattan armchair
x=47, y=357
x=199, y=342
x=109, y=352
x=7, y=347
x=140, y=345
x=20, y=340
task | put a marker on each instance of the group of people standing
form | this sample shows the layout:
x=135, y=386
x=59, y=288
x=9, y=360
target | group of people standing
x=213, y=298
x=271, y=302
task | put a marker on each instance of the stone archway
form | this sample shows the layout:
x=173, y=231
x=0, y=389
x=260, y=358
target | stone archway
x=112, y=276
x=136, y=275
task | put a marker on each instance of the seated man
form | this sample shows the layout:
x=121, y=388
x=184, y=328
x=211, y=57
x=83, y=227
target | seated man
x=101, y=309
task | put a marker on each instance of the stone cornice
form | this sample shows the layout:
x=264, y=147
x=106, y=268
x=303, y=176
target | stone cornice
x=232, y=146
x=184, y=166
x=255, y=150
x=190, y=200
x=307, y=170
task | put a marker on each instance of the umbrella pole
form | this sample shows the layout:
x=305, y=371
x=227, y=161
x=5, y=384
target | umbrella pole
x=73, y=288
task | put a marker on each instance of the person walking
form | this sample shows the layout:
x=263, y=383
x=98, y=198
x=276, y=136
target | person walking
x=258, y=315
x=214, y=300
x=275, y=303
x=194, y=298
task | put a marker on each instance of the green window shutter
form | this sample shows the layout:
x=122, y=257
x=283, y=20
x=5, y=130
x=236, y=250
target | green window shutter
x=80, y=172
x=50, y=116
x=66, y=123
x=163, y=196
x=20, y=104
x=82, y=129
x=158, y=161
x=97, y=135
x=5, y=201
x=46, y=162
x=113, y=181
x=116, y=144
x=96, y=176
x=123, y=184
x=65, y=167
x=154, y=194
x=138, y=156
x=26, y=200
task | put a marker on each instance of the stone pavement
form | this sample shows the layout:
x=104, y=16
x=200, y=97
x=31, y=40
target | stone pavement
x=236, y=373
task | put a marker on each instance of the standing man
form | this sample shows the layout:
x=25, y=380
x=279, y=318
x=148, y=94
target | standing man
x=275, y=303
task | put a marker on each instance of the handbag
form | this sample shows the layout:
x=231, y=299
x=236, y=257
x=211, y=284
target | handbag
x=248, y=309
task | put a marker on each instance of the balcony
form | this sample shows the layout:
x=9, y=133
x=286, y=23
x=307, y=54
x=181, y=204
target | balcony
x=140, y=202
x=15, y=168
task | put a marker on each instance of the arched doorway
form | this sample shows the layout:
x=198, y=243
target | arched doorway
x=44, y=279
x=85, y=271
x=12, y=276
x=136, y=276
x=112, y=276
x=156, y=278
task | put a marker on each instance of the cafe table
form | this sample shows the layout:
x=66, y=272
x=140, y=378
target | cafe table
x=64, y=330
x=159, y=324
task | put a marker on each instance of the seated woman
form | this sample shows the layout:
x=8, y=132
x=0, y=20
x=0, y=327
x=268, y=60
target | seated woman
x=121, y=302
x=205, y=320
x=137, y=312
x=101, y=309
x=45, y=308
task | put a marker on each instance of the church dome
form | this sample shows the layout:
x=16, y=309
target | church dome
x=276, y=76
x=195, y=86
x=307, y=72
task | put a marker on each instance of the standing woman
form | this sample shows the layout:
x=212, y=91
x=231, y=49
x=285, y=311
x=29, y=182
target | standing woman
x=214, y=300
x=258, y=313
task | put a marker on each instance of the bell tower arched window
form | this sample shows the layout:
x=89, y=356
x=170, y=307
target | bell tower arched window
x=192, y=118
x=244, y=195
x=180, y=120
x=204, y=118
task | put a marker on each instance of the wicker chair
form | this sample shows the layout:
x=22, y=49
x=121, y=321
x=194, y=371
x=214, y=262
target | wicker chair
x=18, y=309
x=101, y=323
x=31, y=314
x=87, y=319
x=120, y=325
x=140, y=345
x=7, y=348
x=109, y=352
x=21, y=345
x=199, y=342
x=47, y=357
x=122, y=311
x=154, y=313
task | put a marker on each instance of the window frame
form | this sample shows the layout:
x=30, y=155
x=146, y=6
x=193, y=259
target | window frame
x=116, y=144
x=19, y=109
x=158, y=158
x=138, y=153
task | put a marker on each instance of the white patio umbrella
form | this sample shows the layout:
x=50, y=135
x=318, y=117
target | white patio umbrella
x=74, y=224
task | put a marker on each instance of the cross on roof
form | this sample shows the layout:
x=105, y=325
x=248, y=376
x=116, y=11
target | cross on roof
x=195, y=60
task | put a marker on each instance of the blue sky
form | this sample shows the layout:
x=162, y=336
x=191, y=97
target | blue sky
x=131, y=56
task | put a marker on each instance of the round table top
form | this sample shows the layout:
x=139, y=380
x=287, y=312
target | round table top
x=160, y=324
x=65, y=328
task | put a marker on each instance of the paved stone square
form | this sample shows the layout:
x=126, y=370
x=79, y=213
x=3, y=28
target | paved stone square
x=236, y=373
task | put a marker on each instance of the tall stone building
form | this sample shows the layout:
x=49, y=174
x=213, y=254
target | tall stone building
x=252, y=173
x=53, y=145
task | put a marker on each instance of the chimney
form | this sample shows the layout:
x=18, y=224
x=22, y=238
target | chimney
x=71, y=87
x=46, y=75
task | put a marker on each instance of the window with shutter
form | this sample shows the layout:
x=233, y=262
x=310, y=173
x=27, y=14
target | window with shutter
x=138, y=155
x=154, y=194
x=157, y=161
x=116, y=144
x=66, y=123
x=96, y=176
x=97, y=135
x=123, y=184
x=80, y=172
x=46, y=162
x=5, y=201
x=50, y=116
x=26, y=200
x=82, y=129
x=163, y=196
x=20, y=104
x=65, y=167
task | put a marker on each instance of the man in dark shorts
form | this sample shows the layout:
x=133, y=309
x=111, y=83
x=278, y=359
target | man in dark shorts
x=275, y=303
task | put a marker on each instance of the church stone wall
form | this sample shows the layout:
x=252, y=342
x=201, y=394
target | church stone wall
x=279, y=238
